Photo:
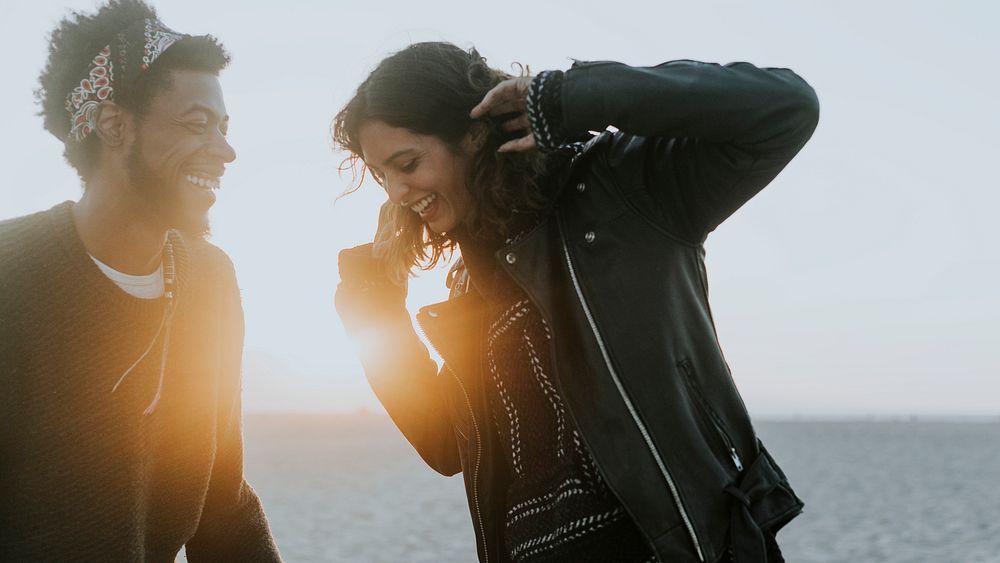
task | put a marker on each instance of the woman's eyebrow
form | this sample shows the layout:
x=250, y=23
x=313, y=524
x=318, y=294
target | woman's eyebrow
x=397, y=154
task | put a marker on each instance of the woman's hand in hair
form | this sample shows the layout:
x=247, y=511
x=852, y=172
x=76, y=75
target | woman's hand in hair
x=509, y=98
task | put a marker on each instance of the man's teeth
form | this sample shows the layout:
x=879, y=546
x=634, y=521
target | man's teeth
x=209, y=183
x=421, y=205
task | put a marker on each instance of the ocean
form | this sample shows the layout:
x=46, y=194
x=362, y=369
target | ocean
x=348, y=488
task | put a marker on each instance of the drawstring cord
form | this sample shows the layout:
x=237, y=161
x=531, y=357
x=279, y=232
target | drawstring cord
x=169, y=273
x=163, y=363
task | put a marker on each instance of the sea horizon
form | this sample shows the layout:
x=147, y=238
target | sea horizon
x=347, y=487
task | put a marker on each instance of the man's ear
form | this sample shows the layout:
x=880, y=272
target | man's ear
x=476, y=137
x=113, y=124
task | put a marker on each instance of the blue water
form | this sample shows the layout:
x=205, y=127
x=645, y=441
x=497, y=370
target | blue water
x=350, y=489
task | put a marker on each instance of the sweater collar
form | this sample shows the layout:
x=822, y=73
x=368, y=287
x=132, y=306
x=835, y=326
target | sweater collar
x=63, y=229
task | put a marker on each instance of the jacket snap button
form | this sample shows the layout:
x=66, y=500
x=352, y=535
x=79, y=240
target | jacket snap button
x=511, y=258
x=581, y=187
x=590, y=236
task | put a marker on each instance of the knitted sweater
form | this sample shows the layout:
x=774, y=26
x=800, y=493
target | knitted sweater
x=559, y=509
x=84, y=474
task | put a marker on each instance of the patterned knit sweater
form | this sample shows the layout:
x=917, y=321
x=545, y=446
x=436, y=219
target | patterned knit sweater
x=559, y=509
x=84, y=474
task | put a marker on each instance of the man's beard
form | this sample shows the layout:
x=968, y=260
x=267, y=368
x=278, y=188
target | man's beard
x=162, y=196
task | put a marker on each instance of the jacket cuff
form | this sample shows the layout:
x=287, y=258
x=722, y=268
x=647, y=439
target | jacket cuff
x=545, y=110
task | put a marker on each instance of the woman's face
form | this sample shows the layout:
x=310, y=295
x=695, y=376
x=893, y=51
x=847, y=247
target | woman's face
x=420, y=172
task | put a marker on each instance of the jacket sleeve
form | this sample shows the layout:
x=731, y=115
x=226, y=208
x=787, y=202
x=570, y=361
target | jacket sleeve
x=710, y=136
x=232, y=526
x=396, y=363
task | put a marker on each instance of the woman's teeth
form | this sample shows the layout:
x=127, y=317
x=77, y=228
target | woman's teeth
x=421, y=205
x=210, y=183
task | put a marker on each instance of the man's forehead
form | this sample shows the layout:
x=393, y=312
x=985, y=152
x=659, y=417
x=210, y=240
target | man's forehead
x=190, y=91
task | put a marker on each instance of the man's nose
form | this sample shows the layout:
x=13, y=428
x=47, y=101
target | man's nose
x=222, y=149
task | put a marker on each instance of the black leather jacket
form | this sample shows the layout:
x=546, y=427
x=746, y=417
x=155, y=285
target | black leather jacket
x=617, y=270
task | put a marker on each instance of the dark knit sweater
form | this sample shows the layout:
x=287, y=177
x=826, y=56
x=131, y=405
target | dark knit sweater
x=559, y=509
x=84, y=474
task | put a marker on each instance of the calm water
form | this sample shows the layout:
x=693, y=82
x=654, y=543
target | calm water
x=349, y=488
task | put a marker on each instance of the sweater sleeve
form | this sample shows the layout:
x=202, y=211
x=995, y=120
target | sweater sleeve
x=232, y=526
x=396, y=363
x=711, y=136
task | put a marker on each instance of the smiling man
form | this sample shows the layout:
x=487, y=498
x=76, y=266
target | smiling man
x=121, y=329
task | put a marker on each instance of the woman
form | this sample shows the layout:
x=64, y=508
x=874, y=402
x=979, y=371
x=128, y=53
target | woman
x=583, y=394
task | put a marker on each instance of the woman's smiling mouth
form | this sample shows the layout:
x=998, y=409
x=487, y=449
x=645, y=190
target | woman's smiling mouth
x=423, y=206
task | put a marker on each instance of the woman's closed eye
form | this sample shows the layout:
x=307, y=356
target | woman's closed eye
x=409, y=166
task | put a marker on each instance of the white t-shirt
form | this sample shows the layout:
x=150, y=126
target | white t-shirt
x=144, y=287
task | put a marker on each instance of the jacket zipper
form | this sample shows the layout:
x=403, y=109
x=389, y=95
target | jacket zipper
x=628, y=402
x=475, y=467
x=713, y=417
x=479, y=451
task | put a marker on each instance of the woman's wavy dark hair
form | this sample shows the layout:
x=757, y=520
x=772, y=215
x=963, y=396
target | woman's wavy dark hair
x=430, y=88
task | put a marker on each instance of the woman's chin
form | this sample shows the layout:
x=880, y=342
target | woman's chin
x=441, y=225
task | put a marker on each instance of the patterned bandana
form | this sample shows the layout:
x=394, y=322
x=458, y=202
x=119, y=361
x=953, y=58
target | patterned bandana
x=110, y=68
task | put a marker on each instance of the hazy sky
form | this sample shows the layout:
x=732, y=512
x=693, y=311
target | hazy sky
x=864, y=280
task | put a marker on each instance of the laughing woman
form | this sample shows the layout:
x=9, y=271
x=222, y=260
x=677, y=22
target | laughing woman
x=583, y=395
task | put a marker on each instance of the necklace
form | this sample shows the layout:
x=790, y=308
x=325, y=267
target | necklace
x=170, y=303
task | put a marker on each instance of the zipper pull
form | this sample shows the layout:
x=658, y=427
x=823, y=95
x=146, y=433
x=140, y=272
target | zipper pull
x=736, y=459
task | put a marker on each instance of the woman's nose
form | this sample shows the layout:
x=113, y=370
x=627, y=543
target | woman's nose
x=397, y=191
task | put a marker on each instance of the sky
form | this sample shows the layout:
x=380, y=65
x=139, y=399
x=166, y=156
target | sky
x=862, y=282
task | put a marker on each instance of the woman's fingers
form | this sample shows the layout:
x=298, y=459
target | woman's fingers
x=521, y=144
x=511, y=93
x=507, y=107
x=519, y=123
x=509, y=97
x=499, y=93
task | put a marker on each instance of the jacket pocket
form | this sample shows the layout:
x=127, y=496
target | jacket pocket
x=762, y=502
x=706, y=410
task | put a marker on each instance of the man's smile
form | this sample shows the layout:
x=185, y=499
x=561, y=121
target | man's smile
x=202, y=181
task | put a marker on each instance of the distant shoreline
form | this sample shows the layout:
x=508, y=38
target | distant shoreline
x=921, y=418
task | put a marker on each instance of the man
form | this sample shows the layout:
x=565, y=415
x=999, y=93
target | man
x=121, y=329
